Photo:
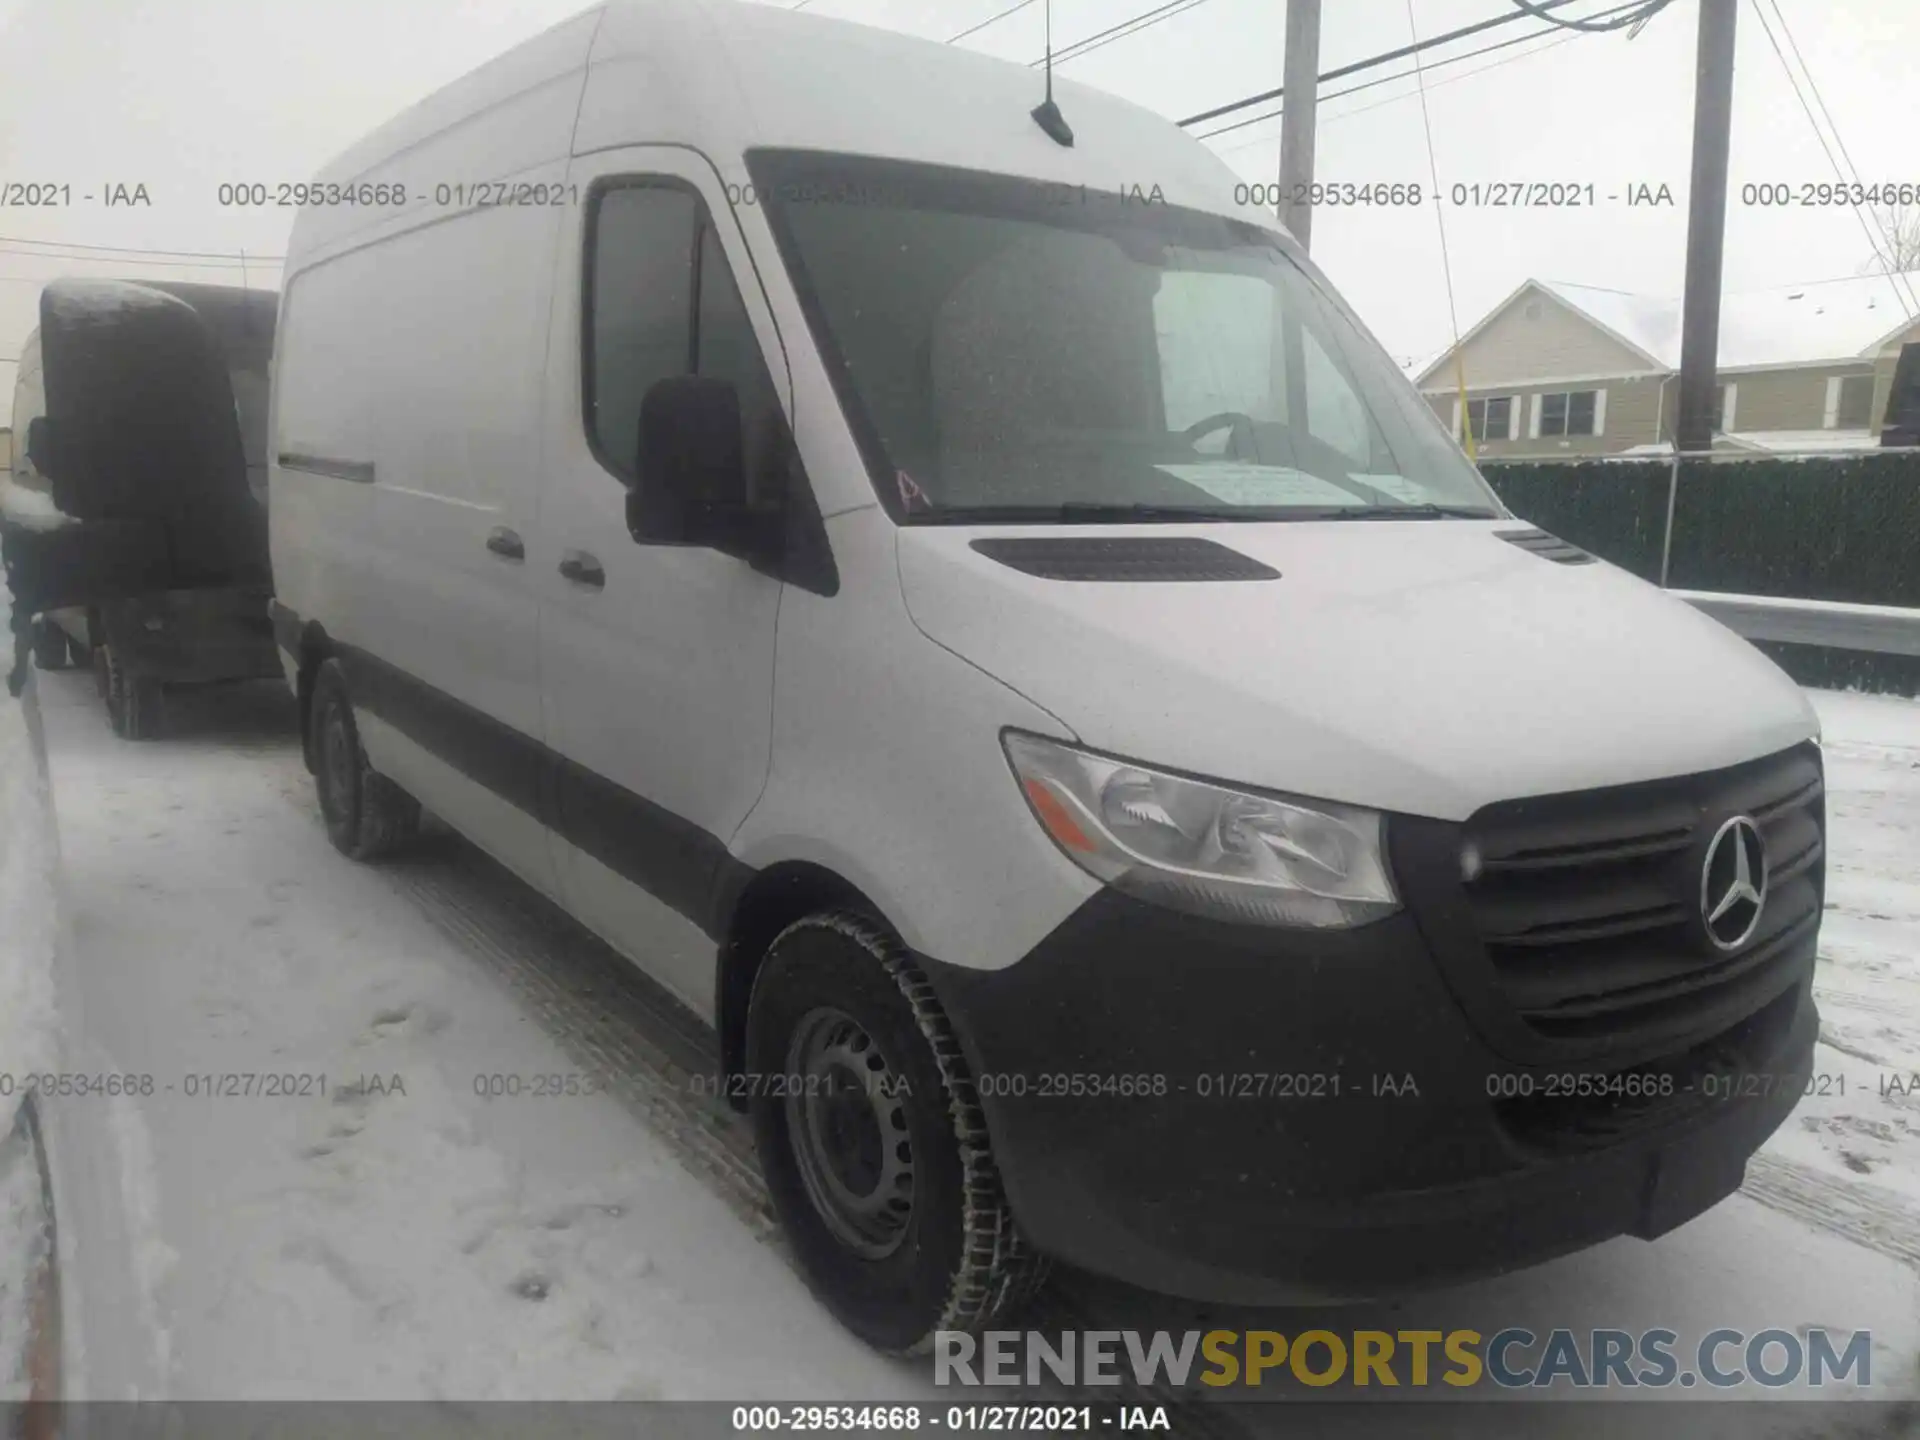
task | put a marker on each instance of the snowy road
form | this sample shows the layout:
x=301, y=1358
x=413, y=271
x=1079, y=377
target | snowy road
x=410, y=1238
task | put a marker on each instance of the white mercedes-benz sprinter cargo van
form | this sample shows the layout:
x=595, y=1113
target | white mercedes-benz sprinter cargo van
x=980, y=620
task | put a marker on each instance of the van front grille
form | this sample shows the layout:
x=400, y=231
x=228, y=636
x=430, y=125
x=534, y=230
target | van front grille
x=1589, y=905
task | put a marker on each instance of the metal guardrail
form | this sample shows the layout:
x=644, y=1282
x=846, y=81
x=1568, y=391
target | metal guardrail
x=1882, y=629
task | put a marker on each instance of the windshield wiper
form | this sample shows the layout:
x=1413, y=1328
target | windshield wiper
x=1411, y=512
x=1093, y=512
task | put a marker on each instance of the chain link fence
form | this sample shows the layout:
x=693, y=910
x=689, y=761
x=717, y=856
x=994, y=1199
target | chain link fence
x=1842, y=527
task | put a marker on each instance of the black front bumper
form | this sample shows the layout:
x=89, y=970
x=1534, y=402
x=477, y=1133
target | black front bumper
x=1314, y=1116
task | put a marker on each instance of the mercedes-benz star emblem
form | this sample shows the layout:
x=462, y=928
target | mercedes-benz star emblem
x=1733, y=883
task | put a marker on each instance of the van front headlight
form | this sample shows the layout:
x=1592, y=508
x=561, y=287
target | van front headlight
x=1205, y=848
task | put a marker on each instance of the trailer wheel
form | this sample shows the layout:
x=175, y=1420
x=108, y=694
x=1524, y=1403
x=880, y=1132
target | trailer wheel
x=134, y=702
x=367, y=815
x=873, y=1143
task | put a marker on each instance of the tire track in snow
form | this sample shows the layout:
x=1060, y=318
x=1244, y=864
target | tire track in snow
x=1866, y=1214
x=648, y=1048
x=644, y=1047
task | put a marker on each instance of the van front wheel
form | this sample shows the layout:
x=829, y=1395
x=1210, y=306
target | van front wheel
x=873, y=1143
x=367, y=815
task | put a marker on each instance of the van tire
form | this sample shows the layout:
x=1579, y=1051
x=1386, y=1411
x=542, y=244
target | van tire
x=134, y=702
x=960, y=1261
x=367, y=816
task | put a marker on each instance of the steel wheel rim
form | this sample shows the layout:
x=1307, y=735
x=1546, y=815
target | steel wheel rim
x=847, y=1126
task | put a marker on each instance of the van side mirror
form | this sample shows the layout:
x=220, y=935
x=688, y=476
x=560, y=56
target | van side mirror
x=692, y=487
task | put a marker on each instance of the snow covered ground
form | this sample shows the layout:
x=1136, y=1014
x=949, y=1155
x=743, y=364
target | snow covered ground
x=1864, y=1118
x=403, y=1235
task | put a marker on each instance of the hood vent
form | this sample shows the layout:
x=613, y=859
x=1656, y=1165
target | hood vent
x=1123, y=559
x=1547, y=547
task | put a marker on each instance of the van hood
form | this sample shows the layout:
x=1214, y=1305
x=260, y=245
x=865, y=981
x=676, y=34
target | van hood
x=1427, y=667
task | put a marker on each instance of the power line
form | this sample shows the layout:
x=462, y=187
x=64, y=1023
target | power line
x=991, y=20
x=1593, y=24
x=229, y=266
x=64, y=245
x=1125, y=28
x=1902, y=288
x=1446, y=262
x=1406, y=74
x=1381, y=59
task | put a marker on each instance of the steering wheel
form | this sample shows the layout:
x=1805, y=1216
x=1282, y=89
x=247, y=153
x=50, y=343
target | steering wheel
x=1241, y=443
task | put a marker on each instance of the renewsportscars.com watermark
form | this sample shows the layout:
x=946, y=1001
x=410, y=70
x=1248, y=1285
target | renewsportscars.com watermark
x=1510, y=1359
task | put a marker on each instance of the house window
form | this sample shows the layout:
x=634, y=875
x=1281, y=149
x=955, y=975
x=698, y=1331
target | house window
x=1568, y=413
x=1492, y=418
x=1855, y=410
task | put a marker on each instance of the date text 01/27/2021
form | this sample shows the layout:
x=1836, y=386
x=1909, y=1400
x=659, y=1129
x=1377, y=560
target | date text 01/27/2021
x=198, y=1085
x=909, y=1418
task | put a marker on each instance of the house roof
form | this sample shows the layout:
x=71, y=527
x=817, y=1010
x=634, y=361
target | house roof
x=1828, y=320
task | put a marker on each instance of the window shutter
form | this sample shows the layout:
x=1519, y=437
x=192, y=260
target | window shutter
x=1733, y=400
x=1458, y=433
x=1514, y=402
x=1600, y=412
x=1533, y=421
x=1833, y=403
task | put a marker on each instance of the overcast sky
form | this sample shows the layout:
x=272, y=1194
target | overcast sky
x=181, y=95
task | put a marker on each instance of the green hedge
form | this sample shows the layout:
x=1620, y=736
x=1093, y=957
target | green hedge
x=1828, y=528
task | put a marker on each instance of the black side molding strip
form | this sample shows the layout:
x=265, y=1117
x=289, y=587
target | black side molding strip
x=676, y=861
x=360, y=471
x=513, y=766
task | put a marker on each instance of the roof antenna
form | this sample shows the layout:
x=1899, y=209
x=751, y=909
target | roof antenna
x=1047, y=115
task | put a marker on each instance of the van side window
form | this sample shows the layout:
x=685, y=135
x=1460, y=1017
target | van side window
x=664, y=303
x=640, y=316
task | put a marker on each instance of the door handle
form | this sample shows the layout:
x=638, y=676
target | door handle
x=506, y=543
x=582, y=569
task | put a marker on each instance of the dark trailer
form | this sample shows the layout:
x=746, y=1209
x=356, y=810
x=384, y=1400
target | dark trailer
x=135, y=519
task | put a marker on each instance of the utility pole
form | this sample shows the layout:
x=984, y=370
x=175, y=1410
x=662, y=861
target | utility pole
x=1706, y=225
x=1302, y=95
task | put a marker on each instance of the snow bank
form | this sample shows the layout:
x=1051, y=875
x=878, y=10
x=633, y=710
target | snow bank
x=24, y=1235
x=29, y=911
x=29, y=897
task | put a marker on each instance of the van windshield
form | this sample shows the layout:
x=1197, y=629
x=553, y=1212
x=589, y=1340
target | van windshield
x=1020, y=350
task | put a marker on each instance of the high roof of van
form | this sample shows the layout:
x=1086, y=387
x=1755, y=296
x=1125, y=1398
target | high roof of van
x=726, y=76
